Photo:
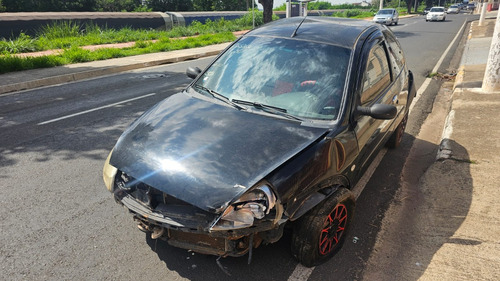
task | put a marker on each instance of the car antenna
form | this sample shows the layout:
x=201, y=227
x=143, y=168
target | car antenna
x=295, y=31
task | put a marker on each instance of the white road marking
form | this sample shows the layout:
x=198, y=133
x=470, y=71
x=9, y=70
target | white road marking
x=302, y=273
x=94, y=109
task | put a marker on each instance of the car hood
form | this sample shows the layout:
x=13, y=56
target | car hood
x=205, y=153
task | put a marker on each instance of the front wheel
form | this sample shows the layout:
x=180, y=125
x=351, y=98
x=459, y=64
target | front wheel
x=320, y=233
x=397, y=136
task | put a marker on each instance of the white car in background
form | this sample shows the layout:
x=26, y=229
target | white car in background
x=453, y=9
x=435, y=14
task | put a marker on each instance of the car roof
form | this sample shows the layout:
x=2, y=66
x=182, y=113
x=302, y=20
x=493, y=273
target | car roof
x=342, y=32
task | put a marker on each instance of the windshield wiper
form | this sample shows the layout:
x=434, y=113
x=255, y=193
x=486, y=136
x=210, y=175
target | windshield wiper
x=219, y=96
x=268, y=108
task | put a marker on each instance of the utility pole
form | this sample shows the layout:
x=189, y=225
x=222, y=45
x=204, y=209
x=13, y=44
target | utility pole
x=491, y=81
x=381, y=5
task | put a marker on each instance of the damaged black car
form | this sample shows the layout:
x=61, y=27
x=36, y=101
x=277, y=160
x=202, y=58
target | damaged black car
x=274, y=133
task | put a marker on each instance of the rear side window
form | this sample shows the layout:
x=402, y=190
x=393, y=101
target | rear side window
x=395, y=52
x=377, y=74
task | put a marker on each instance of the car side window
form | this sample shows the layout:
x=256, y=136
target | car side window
x=376, y=76
x=395, y=52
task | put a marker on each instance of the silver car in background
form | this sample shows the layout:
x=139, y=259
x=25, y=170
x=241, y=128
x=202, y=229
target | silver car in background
x=387, y=16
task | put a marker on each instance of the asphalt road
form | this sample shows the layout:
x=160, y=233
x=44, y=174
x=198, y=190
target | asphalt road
x=58, y=221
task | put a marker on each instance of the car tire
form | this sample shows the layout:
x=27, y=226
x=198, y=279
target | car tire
x=397, y=136
x=396, y=23
x=313, y=241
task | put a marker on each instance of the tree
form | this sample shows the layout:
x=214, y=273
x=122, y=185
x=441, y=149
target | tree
x=49, y=5
x=230, y=5
x=170, y=5
x=117, y=5
x=268, y=10
x=220, y=5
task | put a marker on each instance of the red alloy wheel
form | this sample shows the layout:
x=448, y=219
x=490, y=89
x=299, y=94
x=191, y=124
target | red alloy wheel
x=333, y=229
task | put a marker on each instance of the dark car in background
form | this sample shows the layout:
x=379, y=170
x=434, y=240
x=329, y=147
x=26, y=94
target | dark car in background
x=273, y=134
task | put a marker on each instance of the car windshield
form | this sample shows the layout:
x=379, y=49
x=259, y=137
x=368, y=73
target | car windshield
x=384, y=12
x=453, y=7
x=437, y=10
x=302, y=78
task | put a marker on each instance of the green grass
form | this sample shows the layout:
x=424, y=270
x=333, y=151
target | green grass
x=74, y=54
x=69, y=34
x=354, y=13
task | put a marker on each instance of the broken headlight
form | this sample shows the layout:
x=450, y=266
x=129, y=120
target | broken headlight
x=255, y=204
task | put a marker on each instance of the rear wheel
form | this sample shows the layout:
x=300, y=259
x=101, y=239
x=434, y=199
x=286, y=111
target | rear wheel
x=320, y=233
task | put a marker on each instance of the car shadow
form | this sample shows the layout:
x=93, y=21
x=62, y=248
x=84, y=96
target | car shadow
x=403, y=34
x=268, y=262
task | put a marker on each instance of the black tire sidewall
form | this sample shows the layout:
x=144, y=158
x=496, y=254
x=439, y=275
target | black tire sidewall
x=307, y=230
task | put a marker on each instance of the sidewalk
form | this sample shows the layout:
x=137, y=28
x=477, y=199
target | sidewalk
x=470, y=165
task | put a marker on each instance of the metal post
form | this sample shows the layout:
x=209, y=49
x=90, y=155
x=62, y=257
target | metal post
x=491, y=81
x=483, y=14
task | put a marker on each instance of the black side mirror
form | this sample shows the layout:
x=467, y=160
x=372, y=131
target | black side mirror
x=378, y=111
x=193, y=72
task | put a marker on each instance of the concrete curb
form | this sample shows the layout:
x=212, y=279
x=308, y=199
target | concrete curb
x=445, y=148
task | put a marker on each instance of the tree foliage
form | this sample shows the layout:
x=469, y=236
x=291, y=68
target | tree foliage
x=117, y=5
x=124, y=5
